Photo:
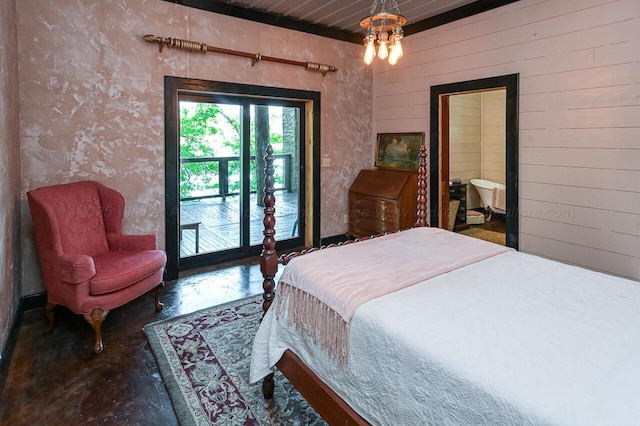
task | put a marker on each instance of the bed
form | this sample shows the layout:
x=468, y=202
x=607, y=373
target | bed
x=492, y=336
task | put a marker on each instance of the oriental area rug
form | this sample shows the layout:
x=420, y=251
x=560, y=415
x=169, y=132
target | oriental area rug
x=204, y=362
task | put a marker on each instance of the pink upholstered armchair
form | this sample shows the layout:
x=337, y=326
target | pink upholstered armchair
x=88, y=265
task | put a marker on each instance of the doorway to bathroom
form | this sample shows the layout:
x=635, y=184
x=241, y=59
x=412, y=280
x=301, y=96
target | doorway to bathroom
x=474, y=158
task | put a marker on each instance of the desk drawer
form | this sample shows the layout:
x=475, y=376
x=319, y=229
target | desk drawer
x=369, y=216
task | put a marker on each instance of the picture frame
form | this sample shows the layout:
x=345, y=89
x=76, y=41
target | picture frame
x=399, y=151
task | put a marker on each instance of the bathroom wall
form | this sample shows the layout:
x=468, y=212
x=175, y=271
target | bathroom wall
x=465, y=136
x=493, y=112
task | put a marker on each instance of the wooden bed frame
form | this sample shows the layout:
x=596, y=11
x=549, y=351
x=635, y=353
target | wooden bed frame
x=325, y=401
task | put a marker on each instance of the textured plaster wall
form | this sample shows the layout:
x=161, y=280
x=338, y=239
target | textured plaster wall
x=9, y=172
x=92, y=99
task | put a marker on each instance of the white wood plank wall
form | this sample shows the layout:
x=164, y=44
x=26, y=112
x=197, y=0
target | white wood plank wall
x=465, y=136
x=579, y=66
x=493, y=135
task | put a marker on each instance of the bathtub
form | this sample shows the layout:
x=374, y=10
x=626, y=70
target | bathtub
x=485, y=189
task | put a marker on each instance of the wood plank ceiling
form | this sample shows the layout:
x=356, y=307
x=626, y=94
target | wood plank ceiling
x=340, y=19
x=347, y=14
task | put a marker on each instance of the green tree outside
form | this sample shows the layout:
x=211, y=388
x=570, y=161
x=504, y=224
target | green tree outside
x=200, y=125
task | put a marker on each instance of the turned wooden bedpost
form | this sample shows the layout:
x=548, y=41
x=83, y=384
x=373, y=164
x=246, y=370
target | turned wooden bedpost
x=269, y=256
x=421, y=213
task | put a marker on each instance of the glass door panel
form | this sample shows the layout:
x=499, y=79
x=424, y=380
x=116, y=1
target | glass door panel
x=221, y=174
x=210, y=147
x=279, y=126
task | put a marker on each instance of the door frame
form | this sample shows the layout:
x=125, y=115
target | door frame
x=309, y=164
x=438, y=134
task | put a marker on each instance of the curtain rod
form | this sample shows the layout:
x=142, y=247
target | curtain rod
x=193, y=46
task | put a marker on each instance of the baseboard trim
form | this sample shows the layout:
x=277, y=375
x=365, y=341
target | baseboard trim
x=33, y=301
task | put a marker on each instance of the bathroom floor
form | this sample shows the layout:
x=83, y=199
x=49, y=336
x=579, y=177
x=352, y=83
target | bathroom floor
x=494, y=231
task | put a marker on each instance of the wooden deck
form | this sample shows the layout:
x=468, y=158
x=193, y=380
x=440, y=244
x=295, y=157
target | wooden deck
x=218, y=219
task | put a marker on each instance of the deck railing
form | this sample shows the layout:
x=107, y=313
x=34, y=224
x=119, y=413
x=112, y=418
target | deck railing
x=284, y=172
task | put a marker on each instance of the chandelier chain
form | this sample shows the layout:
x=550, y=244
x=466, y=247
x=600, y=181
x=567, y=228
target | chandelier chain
x=374, y=6
x=394, y=4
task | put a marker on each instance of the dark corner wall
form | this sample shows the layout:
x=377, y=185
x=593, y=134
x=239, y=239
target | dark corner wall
x=10, y=197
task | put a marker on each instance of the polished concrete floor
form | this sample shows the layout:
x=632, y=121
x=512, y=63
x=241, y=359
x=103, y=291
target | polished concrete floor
x=58, y=380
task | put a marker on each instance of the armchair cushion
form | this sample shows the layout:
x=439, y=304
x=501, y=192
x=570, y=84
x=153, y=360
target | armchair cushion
x=116, y=270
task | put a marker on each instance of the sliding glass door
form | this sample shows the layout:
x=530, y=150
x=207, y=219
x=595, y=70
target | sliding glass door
x=215, y=139
x=221, y=173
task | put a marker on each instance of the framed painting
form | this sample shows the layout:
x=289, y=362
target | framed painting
x=399, y=151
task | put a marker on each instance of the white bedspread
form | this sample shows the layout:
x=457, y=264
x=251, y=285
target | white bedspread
x=322, y=303
x=512, y=340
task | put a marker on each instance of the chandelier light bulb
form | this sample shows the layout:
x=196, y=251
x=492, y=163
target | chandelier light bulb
x=383, y=48
x=393, y=58
x=369, y=52
x=397, y=48
x=393, y=53
x=383, y=51
x=395, y=39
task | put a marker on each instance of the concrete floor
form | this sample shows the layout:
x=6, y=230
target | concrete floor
x=57, y=379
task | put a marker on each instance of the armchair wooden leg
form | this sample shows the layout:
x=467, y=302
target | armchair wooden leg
x=159, y=304
x=49, y=311
x=95, y=318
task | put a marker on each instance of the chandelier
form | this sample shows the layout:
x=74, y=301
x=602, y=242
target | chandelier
x=378, y=26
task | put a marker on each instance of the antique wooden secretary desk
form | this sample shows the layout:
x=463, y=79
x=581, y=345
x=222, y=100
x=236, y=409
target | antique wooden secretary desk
x=382, y=200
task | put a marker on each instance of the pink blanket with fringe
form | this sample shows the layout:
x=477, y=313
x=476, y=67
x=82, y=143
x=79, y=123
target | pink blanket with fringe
x=321, y=291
